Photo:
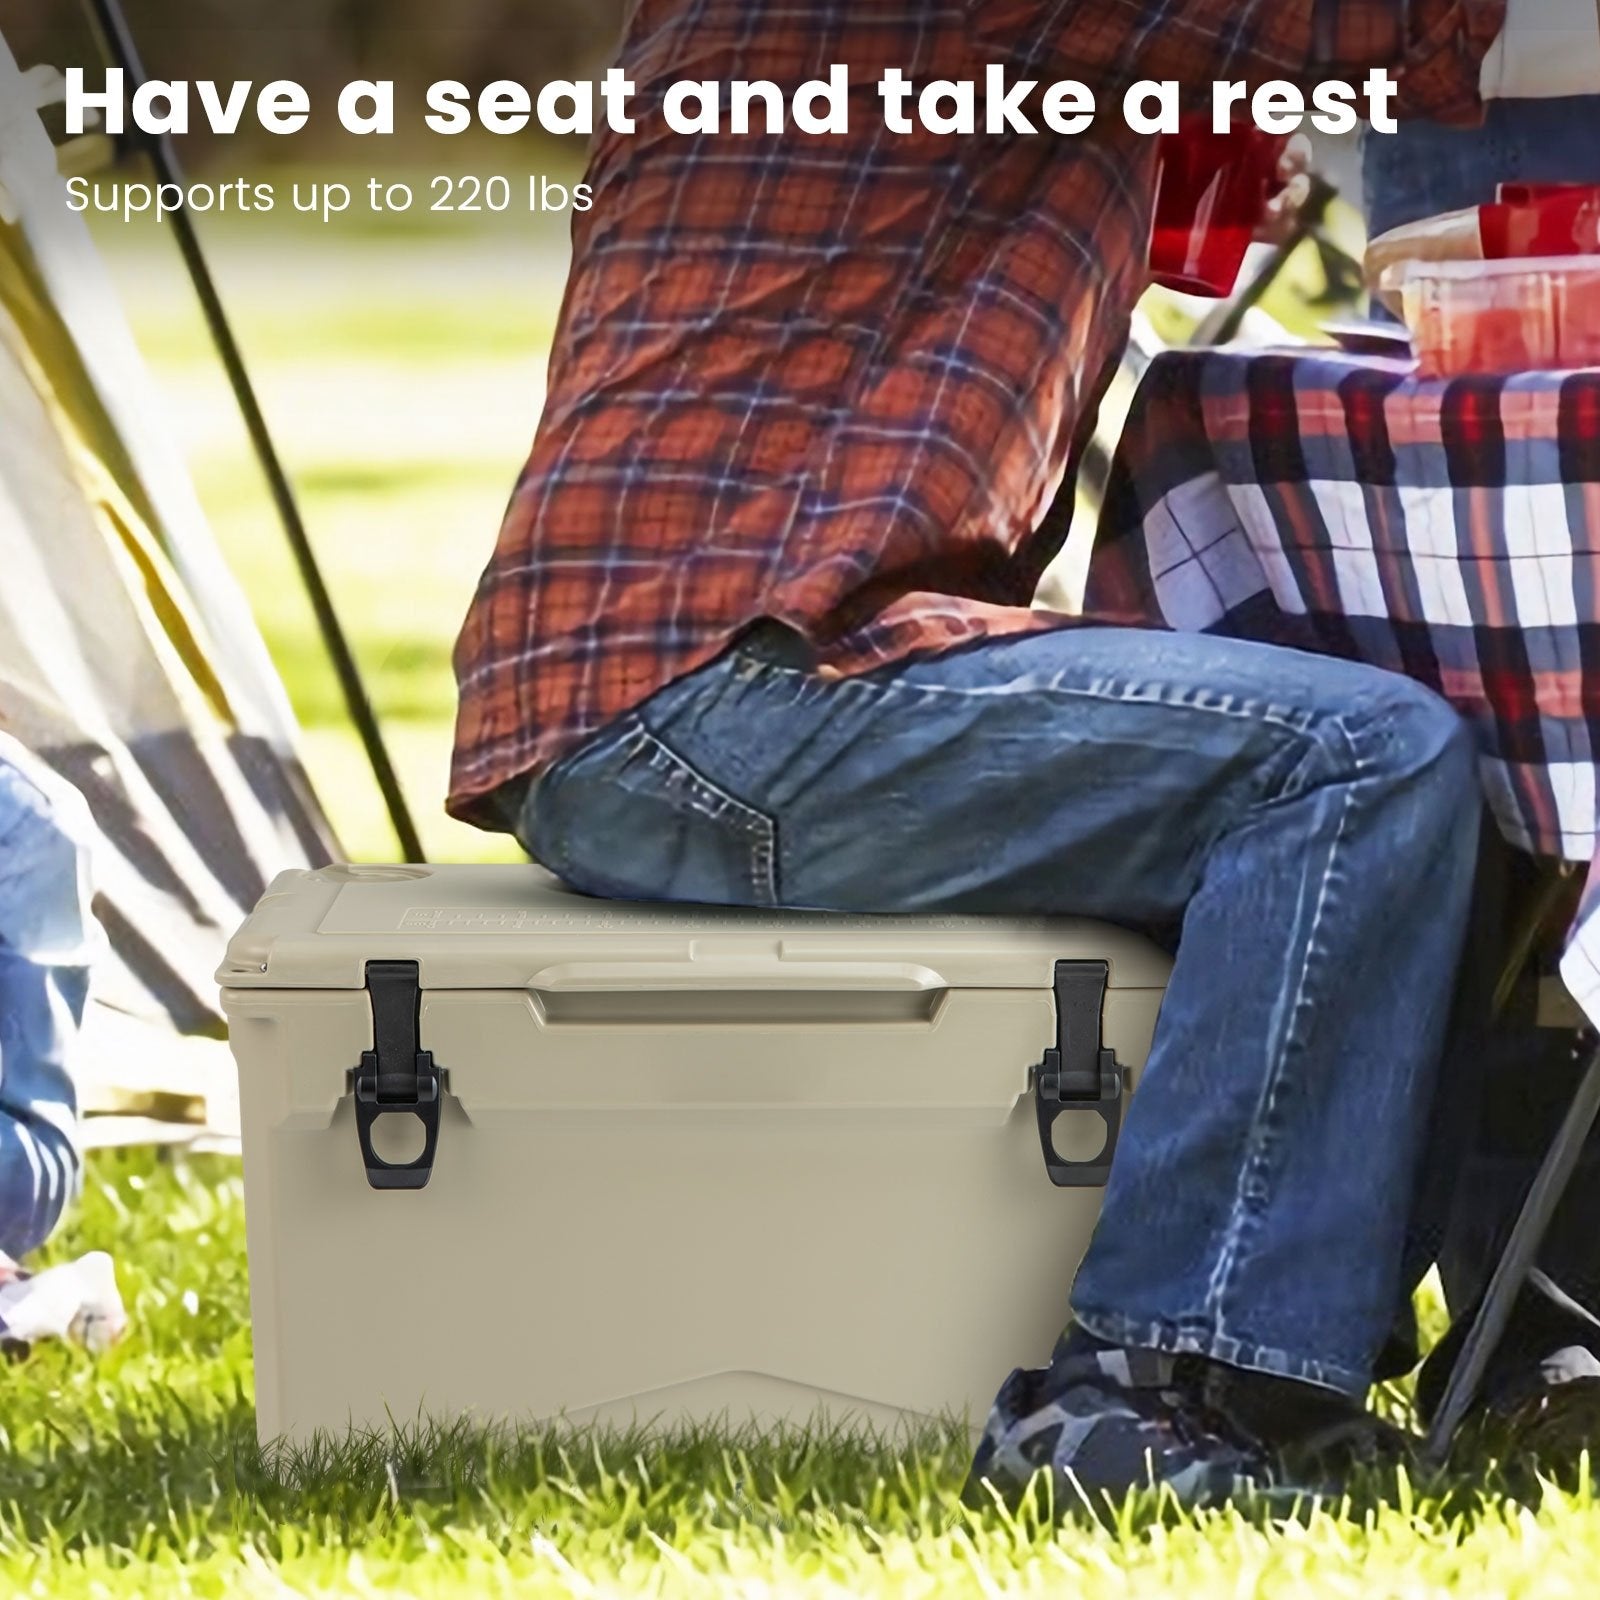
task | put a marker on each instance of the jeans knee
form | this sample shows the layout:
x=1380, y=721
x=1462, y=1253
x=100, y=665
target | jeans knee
x=1446, y=747
x=1428, y=750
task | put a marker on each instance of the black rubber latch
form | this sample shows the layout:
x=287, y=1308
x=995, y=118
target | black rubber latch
x=1080, y=1075
x=397, y=1077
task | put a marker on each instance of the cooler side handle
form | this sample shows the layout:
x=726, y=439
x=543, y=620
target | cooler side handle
x=761, y=973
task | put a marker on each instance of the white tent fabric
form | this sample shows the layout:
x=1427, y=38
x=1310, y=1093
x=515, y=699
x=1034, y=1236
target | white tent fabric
x=128, y=658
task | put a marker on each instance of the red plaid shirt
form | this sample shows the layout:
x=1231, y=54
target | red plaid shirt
x=839, y=380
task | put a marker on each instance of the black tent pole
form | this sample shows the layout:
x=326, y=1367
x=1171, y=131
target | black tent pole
x=117, y=43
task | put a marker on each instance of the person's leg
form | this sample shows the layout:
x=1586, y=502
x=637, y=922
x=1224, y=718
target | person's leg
x=46, y=945
x=1427, y=168
x=1314, y=823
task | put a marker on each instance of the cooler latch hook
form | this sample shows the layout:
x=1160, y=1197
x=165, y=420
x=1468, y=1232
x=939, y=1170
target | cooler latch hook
x=397, y=1076
x=1079, y=1075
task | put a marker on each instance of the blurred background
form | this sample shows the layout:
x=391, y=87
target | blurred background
x=399, y=359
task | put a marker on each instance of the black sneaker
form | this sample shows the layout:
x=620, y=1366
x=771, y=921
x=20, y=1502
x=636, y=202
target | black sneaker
x=1319, y=1439
x=1106, y=1421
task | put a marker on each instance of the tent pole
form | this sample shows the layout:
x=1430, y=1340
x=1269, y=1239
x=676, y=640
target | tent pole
x=117, y=43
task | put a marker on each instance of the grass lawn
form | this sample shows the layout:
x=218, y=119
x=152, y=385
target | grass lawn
x=139, y=1475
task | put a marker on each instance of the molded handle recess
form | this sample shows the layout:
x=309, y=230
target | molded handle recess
x=721, y=972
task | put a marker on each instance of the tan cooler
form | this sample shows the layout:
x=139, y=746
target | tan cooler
x=517, y=1154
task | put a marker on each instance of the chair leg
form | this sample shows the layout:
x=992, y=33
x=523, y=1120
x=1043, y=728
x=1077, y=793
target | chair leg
x=1532, y=1224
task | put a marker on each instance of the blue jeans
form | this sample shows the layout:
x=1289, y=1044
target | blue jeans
x=48, y=940
x=1427, y=168
x=1312, y=824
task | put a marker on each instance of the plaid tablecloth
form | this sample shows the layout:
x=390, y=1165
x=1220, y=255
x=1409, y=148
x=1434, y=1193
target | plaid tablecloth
x=1450, y=531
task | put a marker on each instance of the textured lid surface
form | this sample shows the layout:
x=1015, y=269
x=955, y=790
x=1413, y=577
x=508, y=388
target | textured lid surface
x=494, y=927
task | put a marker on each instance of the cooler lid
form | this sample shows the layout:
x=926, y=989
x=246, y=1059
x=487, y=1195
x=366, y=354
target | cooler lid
x=517, y=927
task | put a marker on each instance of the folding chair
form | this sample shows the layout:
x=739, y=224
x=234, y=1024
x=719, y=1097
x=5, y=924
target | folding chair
x=1511, y=1274
x=1527, y=1236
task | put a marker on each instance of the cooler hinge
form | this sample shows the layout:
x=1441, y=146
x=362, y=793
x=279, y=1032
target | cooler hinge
x=397, y=1076
x=1080, y=1075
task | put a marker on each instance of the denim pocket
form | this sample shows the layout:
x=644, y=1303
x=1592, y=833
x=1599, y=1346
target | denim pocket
x=628, y=818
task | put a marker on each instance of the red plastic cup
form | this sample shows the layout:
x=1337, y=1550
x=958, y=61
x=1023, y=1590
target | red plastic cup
x=1554, y=223
x=1211, y=197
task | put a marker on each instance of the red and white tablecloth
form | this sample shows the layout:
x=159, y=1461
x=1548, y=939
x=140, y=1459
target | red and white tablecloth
x=1447, y=530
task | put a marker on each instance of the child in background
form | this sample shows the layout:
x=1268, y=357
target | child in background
x=48, y=942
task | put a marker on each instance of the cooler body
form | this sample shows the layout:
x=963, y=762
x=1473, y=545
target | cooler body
x=688, y=1163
